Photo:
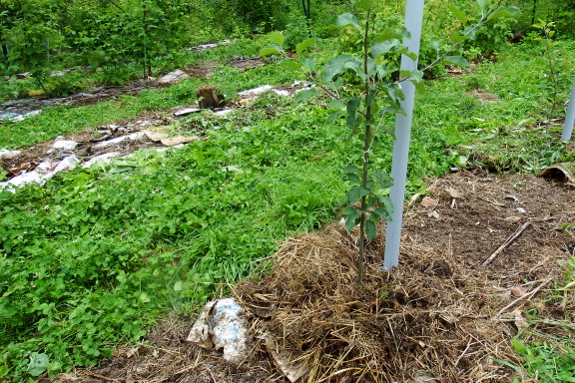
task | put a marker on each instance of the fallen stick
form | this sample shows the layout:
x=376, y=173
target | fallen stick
x=524, y=296
x=102, y=377
x=507, y=242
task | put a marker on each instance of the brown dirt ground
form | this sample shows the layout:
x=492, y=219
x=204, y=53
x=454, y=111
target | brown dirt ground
x=439, y=316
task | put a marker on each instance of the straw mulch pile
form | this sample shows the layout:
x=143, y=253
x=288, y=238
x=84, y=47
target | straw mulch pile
x=422, y=320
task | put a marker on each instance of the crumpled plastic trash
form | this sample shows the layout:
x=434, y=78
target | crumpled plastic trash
x=222, y=324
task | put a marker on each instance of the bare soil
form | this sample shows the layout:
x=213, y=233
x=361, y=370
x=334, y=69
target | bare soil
x=440, y=316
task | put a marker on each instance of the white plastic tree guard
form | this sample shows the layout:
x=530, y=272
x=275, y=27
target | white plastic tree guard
x=570, y=117
x=413, y=21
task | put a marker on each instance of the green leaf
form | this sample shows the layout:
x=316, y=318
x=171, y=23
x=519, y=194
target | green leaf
x=144, y=298
x=482, y=4
x=388, y=34
x=337, y=103
x=353, y=105
x=455, y=38
x=365, y=5
x=353, y=195
x=351, y=169
x=277, y=37
x=272, y=50
x=290, y=63
x=498, y=13
x=357, y=67
x=353, y=178
x=335, y=66
x=351, y=215
x=303, y=45
x=38, y=363
x=457, y=60
x=470, y=32
x=517, y=345
x=3, y=370
x=383, y=47
x=370, y=230
x=383, y=70
x=305, y=94
x=417, y=75
x=335, y=115
x=309, y=63
x=461, y=16
x=382, y=213
x=346, y=20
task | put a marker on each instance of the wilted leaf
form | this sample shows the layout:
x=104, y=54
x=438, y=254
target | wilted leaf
x=518, y=291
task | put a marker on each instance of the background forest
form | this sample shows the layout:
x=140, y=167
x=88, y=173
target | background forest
x=127, y=39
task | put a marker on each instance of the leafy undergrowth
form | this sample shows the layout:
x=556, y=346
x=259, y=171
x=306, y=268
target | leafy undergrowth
x=92, y=259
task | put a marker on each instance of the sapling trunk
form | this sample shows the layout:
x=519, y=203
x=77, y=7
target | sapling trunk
x=366, y=145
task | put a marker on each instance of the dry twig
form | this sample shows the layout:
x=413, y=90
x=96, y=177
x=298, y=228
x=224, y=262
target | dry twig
x=505, y=244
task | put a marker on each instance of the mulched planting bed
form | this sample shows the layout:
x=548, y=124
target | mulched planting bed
x=444, y=315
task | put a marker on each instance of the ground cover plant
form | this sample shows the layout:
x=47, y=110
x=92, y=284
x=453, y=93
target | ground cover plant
x=94, y=258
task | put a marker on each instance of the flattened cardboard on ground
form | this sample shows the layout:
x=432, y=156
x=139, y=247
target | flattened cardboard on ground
x=172, y=141
x=286, y=361
x=156, y=135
